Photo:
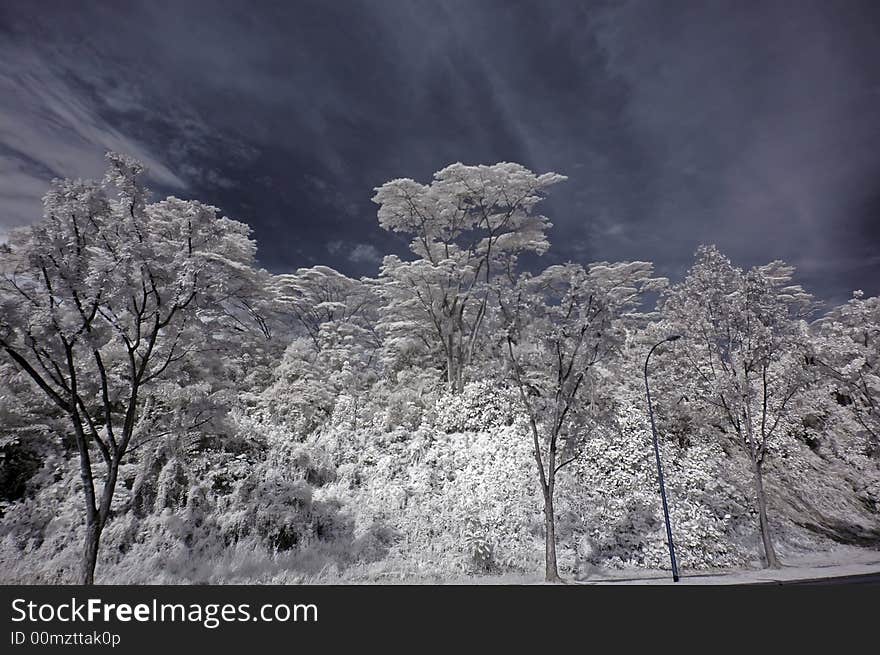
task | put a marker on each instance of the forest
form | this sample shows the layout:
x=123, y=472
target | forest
x=171, y=412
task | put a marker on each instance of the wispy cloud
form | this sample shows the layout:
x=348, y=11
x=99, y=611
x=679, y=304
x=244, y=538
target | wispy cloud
x=48, y=129
x=365, y=253
x=753, y=127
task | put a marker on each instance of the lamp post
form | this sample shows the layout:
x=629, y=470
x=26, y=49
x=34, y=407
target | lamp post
x=674, y=337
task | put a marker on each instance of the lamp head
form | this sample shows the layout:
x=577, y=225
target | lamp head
x=674, y=337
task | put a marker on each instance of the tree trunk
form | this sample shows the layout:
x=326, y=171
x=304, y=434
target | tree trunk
x=551, y=573
x=354, y=423
x=93, y=516
x=769, y=552
x=90, y=551
x=450, y=363
x=96, y=519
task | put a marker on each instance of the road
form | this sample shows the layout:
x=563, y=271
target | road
x=866, y=578
x=754, y=578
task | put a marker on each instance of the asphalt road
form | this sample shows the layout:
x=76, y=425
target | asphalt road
x=866, y=578
x=862, y=578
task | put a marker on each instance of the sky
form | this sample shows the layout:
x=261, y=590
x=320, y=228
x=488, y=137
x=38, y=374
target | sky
x=750, y=125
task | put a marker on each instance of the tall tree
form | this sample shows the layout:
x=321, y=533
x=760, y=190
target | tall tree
x=468, y=227
x=320, y=295
x=849, y=351
x=564, y=325
x=745, y=340
x=105, y=299
x=338, y=315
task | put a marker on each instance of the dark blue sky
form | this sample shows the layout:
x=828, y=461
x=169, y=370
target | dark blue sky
x=752, y=125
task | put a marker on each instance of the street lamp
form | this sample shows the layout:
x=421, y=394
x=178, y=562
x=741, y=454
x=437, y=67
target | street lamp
x=674, y=337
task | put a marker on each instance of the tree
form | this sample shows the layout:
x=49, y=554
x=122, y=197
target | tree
x=745, y=340
x=849, y=351
x=320, y=295
x=564, y=324
x=108, y=296
x=468, y=227
x=338, y=314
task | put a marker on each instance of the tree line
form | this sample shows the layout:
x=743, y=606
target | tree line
x=111, y=306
